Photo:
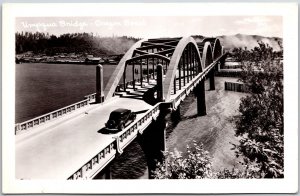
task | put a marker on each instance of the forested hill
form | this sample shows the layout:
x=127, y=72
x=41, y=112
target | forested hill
x=98, y=46
x=72, y=43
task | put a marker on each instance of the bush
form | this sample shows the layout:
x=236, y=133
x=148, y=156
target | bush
x=195, y=165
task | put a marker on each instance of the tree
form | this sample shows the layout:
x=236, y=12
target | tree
x=260, y=123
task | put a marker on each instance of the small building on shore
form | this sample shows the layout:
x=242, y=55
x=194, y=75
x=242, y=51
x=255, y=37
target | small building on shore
x=92, y=60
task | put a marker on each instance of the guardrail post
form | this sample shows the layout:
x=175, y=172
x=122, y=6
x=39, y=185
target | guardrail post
x=160, y=89
x=99, y=83
x=200, y=94
x=17, y=128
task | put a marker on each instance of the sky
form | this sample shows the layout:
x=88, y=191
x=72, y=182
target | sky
x=155, y=26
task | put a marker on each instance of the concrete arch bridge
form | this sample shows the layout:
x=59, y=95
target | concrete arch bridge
x=68, y=144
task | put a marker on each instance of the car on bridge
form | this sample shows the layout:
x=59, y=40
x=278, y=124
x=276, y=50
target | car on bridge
x=119, y=119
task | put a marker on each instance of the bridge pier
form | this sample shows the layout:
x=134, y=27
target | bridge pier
x=153, y=140
x=200, y=94
x=160, y=85
x=175, y=115
x=222, y=63
x=212, y=79
x=218, y=66
x=99, y=84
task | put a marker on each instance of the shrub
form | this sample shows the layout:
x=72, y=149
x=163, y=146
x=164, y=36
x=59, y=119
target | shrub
x=195, y=165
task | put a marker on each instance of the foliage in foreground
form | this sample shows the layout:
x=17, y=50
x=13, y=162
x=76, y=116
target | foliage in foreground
x=196, y=164
x=260, y=123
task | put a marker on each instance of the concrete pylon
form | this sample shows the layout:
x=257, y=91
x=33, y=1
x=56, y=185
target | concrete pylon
x=153, y=140
x=99, y=84
x=175, y=115
x=200, y=94
x=212, y=79
x=105, y=173
x=160, y=85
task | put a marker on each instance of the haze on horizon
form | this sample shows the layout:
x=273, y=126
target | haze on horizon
x=155, y=26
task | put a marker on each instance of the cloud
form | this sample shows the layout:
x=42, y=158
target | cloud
x=251, y=20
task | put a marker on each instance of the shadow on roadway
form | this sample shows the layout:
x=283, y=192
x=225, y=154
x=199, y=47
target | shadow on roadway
x=104, y=131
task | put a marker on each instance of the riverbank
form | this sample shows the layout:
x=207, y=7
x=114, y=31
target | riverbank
x=215, y=130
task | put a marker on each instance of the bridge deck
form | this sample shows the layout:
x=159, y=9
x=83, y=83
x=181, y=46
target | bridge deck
x=58, y=151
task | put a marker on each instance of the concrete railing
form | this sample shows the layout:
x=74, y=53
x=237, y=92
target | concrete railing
x=91, y=97
x=40, y=120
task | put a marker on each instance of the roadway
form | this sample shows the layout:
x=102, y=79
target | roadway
x=57, y=151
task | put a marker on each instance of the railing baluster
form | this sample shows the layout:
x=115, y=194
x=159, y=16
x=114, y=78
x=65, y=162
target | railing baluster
x=183, y=63
x=179, y=72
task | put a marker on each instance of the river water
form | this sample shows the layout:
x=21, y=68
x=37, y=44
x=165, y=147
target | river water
x=41, y=88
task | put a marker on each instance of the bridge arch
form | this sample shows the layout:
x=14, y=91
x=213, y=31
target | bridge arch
x=217, y=50
x=118, y=72
x=207, y=57
x=183, y=44
x=223, y=50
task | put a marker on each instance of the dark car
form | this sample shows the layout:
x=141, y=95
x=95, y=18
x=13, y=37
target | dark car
x=119, y=119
